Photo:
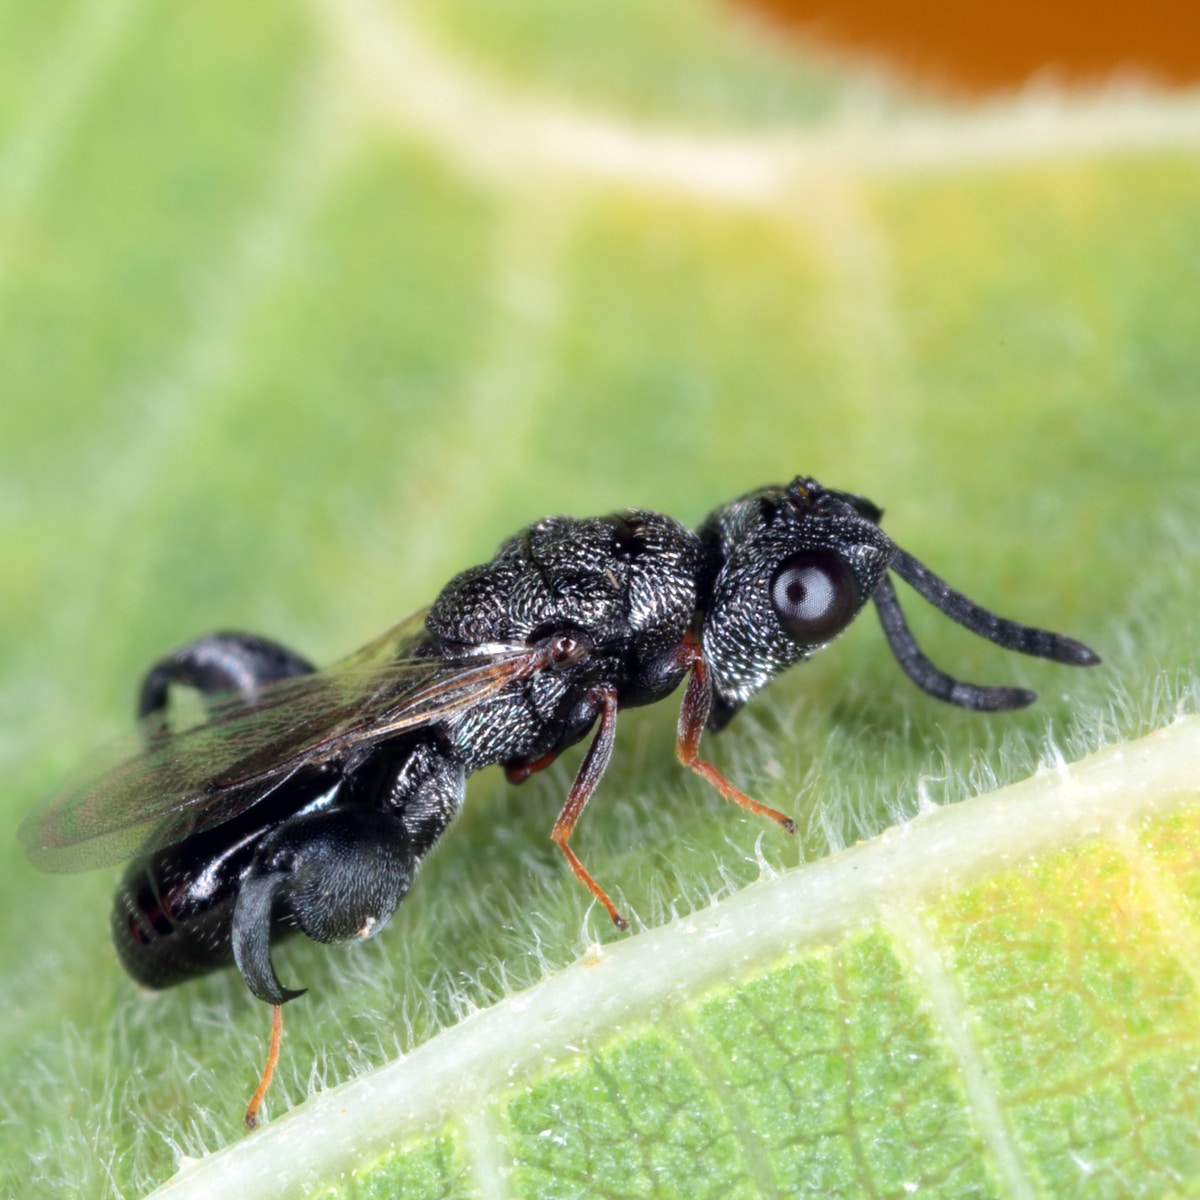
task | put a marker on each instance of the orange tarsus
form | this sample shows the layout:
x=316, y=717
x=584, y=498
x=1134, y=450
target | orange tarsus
x=269, y=1070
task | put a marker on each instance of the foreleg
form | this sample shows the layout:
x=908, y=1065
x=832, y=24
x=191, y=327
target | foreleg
x=693, y=715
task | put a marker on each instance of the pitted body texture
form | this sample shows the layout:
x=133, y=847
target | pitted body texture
x=308, y=800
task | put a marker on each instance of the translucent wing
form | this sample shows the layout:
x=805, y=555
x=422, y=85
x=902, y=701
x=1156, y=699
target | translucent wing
x=144, y=795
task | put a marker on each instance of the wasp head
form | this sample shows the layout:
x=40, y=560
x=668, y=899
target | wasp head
x=791, y=567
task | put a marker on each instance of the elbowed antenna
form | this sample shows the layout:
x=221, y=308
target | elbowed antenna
x=925, y=675
x=1024, y=639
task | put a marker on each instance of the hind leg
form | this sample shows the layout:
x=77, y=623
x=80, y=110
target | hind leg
x=340, y=872
x=219, y=666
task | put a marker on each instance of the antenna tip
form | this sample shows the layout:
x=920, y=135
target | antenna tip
x=1076, y=654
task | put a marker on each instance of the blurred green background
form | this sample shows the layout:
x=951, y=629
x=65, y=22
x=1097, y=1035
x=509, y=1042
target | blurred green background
x=303, y=308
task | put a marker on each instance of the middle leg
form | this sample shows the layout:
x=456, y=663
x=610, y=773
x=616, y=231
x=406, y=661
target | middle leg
x=603, y=697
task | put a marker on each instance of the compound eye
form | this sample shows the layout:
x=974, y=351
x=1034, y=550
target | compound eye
x=815, y=596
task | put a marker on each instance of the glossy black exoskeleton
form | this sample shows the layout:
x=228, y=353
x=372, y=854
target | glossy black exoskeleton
x=307, y=800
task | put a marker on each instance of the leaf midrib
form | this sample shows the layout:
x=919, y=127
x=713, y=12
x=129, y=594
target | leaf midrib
x=618, y=985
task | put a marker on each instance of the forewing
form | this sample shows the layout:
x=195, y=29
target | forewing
x=139, y=798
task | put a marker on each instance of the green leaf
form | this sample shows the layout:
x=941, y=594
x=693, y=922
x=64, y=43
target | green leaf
x=303, y=309
x=917, y=1013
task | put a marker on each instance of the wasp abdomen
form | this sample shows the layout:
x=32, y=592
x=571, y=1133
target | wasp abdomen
x=159, y=946
x=173, y=911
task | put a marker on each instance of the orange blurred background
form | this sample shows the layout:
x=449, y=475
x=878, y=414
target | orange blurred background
x=992, y=47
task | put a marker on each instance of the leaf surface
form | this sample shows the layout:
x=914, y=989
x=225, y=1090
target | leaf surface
x=304, y=308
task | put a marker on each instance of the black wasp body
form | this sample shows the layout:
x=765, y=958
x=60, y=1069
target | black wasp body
x=306, y=800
